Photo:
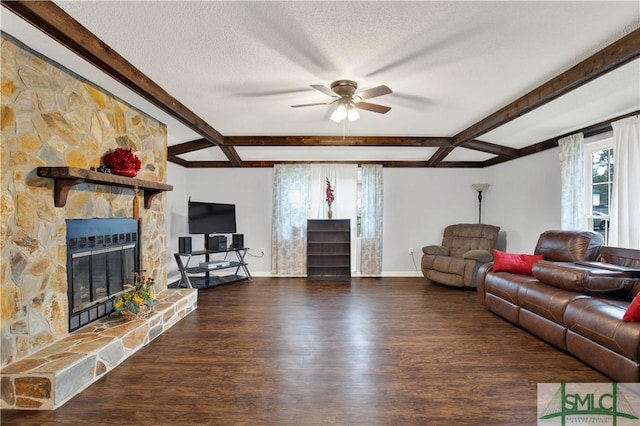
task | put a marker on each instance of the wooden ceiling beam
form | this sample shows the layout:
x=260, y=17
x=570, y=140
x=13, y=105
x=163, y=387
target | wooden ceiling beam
x=60, y=26
x=438, y=156
x=491, y=148
x=408, y=164
x=336, y=141
x=232, y=155
x=602, y=127
x=207, y=164
x=191, y=146
x=460, y=164
x=592, y=130
x=493, y=161
x=177, y=160
x=608, y=59
x=271, y=163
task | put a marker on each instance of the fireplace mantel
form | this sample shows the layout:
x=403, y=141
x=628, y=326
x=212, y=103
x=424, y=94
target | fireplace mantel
x=67, y=177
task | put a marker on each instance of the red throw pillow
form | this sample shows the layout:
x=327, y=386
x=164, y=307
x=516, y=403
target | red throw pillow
x=514, y=263
x=632, y=313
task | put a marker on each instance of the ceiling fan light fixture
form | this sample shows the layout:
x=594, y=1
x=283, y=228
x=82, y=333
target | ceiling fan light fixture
x=348, y=101
x=340, y=113
x=352, y=113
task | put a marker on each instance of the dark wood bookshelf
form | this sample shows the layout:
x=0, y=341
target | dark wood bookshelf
x=329, y=249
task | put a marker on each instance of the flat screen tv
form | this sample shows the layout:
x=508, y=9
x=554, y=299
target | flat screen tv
x=211, y=218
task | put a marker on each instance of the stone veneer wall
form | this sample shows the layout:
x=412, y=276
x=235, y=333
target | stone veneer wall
x=51, y=117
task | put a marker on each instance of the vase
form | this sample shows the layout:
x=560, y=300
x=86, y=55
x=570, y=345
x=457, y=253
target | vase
x=330, y=213
x=126, y=172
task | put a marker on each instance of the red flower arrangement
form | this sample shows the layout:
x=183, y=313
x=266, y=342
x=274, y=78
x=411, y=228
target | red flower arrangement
x=122, y=159
x=330, y=197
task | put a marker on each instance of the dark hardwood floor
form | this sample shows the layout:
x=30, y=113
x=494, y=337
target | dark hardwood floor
x=392, y=351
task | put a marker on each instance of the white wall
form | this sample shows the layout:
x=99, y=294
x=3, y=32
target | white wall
x=176, y=219
x=251, y=191
x=418, y=205
x=523, y=199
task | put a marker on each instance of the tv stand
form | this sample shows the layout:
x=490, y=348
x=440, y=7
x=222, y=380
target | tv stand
x=197, y=277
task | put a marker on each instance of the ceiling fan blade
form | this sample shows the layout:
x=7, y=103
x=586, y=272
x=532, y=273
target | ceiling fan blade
x=373, y=92
x=323, y=89
x=380, y=109
x=266, y=93
x=313, y=104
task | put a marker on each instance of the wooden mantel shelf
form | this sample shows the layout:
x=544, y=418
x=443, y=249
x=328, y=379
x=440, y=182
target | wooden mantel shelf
x=67, y=177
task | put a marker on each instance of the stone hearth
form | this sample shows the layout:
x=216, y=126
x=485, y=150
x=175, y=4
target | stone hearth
x=50, y=377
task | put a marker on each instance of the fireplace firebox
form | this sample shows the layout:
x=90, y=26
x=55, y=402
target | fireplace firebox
x=102, y=256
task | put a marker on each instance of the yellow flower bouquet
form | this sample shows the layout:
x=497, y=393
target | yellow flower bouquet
x=138, y=299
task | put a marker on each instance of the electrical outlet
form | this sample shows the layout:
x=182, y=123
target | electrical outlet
x=411, y=251
x=262, y=251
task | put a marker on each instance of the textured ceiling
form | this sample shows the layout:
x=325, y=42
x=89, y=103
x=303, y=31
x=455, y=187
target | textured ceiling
x=240, y=65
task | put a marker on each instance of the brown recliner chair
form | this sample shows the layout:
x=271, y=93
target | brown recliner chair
x=464, y=248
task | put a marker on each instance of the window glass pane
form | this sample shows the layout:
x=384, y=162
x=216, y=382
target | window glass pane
x=601, y=197
x=601, y=182
x=600, y=166
x=611, y=166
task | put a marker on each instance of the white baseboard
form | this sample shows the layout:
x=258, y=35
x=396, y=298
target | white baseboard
x=175, y=275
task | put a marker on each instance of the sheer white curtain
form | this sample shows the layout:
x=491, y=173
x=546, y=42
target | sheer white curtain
x=289, y=221
x=625, y=200
x=572, y=213
x=371, y=220
x=344, y=181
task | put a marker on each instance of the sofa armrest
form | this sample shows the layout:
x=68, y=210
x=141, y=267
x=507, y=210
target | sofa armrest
x=436, y=250
x=484, y=269
x=473, y=260
x=482, y=256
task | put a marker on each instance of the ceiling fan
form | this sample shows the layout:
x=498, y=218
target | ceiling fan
x=344, y=94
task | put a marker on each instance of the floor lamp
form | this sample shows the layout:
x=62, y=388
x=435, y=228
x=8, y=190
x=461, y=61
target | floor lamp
x=480, y=187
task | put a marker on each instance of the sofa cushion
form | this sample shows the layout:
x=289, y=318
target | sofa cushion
x=623, y=257
x=600, y=320
x=580, y=278
x=455, y=280
x=446, y=264
x=461, y=238
x=506, y=285
x=548, y=330
x=452, y=271
x=632, y=314
x=546, y=301
x=613, y=364
x=513, y=262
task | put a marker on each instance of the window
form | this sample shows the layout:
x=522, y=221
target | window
x=599, y=156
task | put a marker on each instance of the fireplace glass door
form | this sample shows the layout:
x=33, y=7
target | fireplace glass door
x=102, y=258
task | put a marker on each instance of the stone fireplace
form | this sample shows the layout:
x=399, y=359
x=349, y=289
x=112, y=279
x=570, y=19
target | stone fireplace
x=52, y=117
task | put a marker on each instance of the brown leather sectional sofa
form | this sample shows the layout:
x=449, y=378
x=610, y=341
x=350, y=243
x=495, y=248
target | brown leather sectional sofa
x=573, y=304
